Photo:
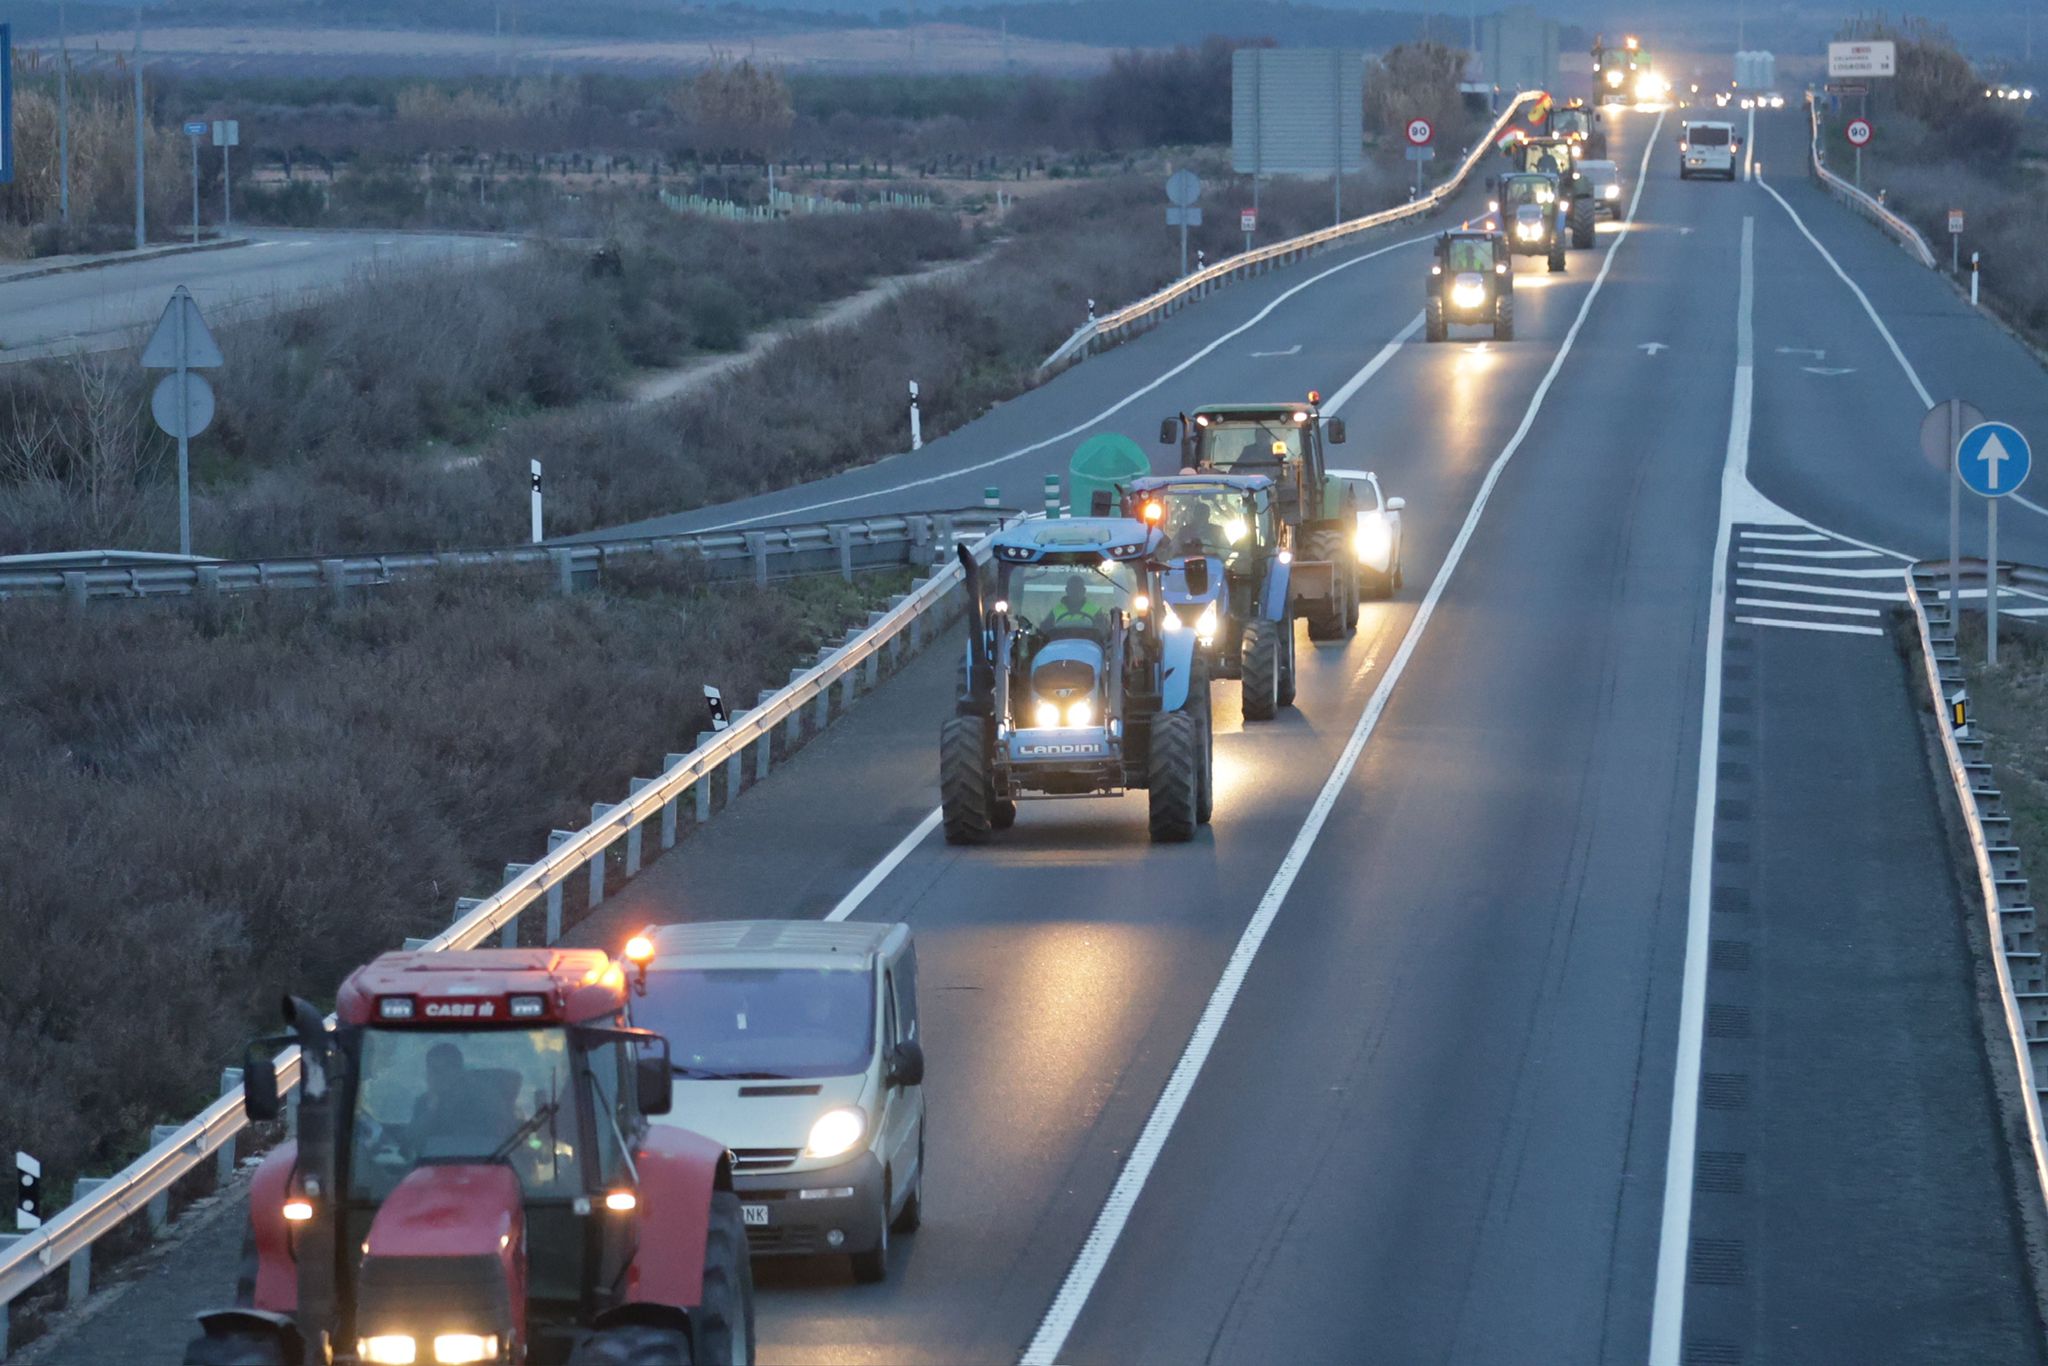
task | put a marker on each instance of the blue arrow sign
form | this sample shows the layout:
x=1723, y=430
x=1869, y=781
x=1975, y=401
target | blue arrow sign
x=1993, y=459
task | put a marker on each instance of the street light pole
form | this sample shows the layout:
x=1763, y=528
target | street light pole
x=141, y=226
x=63, y=116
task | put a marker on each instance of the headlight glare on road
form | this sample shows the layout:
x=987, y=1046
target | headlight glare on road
x=389, y=1349
x=835, y=1132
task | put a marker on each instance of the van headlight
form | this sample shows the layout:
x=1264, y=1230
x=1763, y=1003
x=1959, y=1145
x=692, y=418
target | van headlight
x=1374, y=540
x=835, y=1132
x=1610, y=191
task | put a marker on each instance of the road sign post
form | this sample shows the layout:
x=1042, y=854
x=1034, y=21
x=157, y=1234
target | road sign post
x=227, y=134
x=1993, y=459
x=1941, y=432
x=194, y=131
x=1248, y=223
x=183, y=401
x=1419, y=132
x=1183, y=189
x=1858, y=132
x=1955, y=238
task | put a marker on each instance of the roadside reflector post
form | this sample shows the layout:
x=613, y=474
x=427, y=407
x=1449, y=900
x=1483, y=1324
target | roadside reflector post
x=916, y=421
x=1052, y=495
x=533, y=486
x=991, y=497
x=1976, y=274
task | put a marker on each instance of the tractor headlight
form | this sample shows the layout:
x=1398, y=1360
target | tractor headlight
x=1375, y=539
x=836, y=1131
x=1081, y=713
x=1169, y=621
x=389, y=1349
x=465, y=1349
x=1045, y=714
x=1614, y=78
x=1468, y=294
x=1529, y=230
x=1610, y=191
x=1205, y=625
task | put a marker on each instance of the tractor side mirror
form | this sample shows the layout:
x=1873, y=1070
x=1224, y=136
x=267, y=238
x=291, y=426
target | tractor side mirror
x=654, y=1077
x=1396, y=504
x=1194, y=571
x=1099, y=503
x=1334, y=430
x=1169, y=431
x=259, y=1088
x=906, y=1064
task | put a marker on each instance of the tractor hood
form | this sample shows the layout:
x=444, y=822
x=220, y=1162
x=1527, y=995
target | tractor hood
x=446, y=1254
x=1173, y=585
x=1065, y=671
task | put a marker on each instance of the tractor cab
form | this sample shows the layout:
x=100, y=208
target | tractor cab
x=474, y=1177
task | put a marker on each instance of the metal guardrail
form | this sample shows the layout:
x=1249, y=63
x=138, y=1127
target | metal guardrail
x=762, y=554
x=1907, y=235
x=903, y=627
x=1111, y=327
x=2012, y=921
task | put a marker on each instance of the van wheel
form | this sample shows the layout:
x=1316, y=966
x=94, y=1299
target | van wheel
x=912, y=1214
x=872, y=1267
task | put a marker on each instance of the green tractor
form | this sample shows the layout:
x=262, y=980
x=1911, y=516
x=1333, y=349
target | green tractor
x=1557, y=157
x=1072, y=686
x=1577, y=123
x=1317, y=511
x=1532, y=217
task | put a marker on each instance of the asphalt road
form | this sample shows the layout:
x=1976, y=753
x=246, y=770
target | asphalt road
x=1432, y=957
x=114, y=306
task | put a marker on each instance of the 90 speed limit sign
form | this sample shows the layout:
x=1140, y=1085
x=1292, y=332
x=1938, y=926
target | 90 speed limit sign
x=1858, y=132
x=1420, y=131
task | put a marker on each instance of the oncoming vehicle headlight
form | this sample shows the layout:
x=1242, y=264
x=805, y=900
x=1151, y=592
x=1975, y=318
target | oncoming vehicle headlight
x=836, y=1131
x=1529, y=230
x=1614, y=78
x=1045, y=714
x=1375, y=539
x=1081, y=713
x=1468, y=294
x=389, y=1349
x=465, y=1349
x=1205, y=624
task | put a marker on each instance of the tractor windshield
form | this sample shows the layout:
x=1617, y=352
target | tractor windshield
x=1553, y=158
x=1527, y=190
x=762, y=1024
x=1209, y=523
x=1570, y=122
x=440, y=1096
x=1247, y=447
x=1069, y=596
x=1468, y=254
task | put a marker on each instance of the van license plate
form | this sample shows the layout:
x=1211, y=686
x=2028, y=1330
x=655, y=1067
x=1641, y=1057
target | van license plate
x=754, y=1216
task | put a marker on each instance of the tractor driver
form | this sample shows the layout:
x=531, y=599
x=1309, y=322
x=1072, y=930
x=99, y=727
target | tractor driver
x=1201, y=533
x=1074, y=610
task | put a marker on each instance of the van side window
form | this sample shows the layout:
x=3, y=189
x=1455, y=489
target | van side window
x=906, y=994
x=889, y=1035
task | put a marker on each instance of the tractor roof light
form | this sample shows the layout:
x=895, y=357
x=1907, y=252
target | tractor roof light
x=640, y=952
x=1153, y=511
x=395, y=1007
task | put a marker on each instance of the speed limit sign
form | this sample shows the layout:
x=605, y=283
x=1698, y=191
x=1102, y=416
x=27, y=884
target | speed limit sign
x=1420, y=131
x=1858, y=132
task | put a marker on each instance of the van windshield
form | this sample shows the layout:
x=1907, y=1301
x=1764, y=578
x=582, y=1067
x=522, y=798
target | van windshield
x=761, y=1023
x=1707, y=135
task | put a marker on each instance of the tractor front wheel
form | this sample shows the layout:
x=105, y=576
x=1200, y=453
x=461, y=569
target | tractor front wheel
x=1287, y=660
x=1556, y=253
x=634, y=1344
x=722, y=1325
x=1504, y=318
x=240, y=1346
x=1434, y=327
x=966, y=787
x=1326, y=619
x=1175, y=777
x=1585, y=213
x=1262, y=651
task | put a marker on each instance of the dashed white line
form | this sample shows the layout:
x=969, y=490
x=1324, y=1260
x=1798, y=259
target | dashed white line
x=850, y=903
x=1783, y=536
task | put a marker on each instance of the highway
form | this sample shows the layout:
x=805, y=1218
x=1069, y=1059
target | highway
x=112, y=306
x=1576, y=975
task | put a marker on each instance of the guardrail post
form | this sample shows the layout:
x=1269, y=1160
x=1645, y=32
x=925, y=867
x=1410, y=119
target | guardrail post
x=206, y=580
x=7, y=1240
x=757, y=546
x=78, y=1286
x=634, y=787
x=553, y=927
x=702, y=787
x=160, y=1203
x=920, y=529
x=508, y=933
x=75, y=590
x=334, y=577
x=565, y=569
x=224, y=1155
x=735, y=771
x=842, y=541
x=668, y=808
x=942, y=537
x=598, y=812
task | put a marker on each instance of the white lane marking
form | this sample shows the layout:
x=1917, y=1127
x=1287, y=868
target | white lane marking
x=1109, y=1225
x=1829, y=608
x=1827, y=571
x=1076, y=430
x=1293, y=350
x=1838, y=626
x=1783, y=536
x=1811, y=554
x=1782, y=586
x=1372, y=367
x=1912, y=375
x=850, y=903
x=1667, y=1310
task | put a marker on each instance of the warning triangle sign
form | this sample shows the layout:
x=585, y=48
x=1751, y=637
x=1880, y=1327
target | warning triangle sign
x=181, y=338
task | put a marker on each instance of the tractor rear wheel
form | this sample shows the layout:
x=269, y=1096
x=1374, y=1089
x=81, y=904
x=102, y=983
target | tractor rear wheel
x=1205, y=722
x=1585, y=213
x=634, y=1344
x=1434, y=328
x=966, y=787
x=1175, y=778
x=1287, y=660
x=722, y=1325
x=1261, y=670
x=1504, y=318
x=1326, y=618
x=239, y=1346
x=1557, y=252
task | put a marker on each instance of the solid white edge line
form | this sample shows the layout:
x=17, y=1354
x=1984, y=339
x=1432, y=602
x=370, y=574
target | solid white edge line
x=1926, y=399
x=1667, y=1312
x=1126, y=401
x=850, y=903
x=1837, y=626
x=1102, y=1238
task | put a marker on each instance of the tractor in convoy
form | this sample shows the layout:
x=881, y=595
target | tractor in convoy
x=1625, y=74
x=1558, y=158
x=1316, y=511
x=474, y=1180
x=1532, y=216
x=1471, y=283
x=1242, y=621
x=1579, y=125
x=1073, y=686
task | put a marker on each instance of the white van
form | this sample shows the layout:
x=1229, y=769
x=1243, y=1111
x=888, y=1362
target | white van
x=795, y=1044
x=1707, y=149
